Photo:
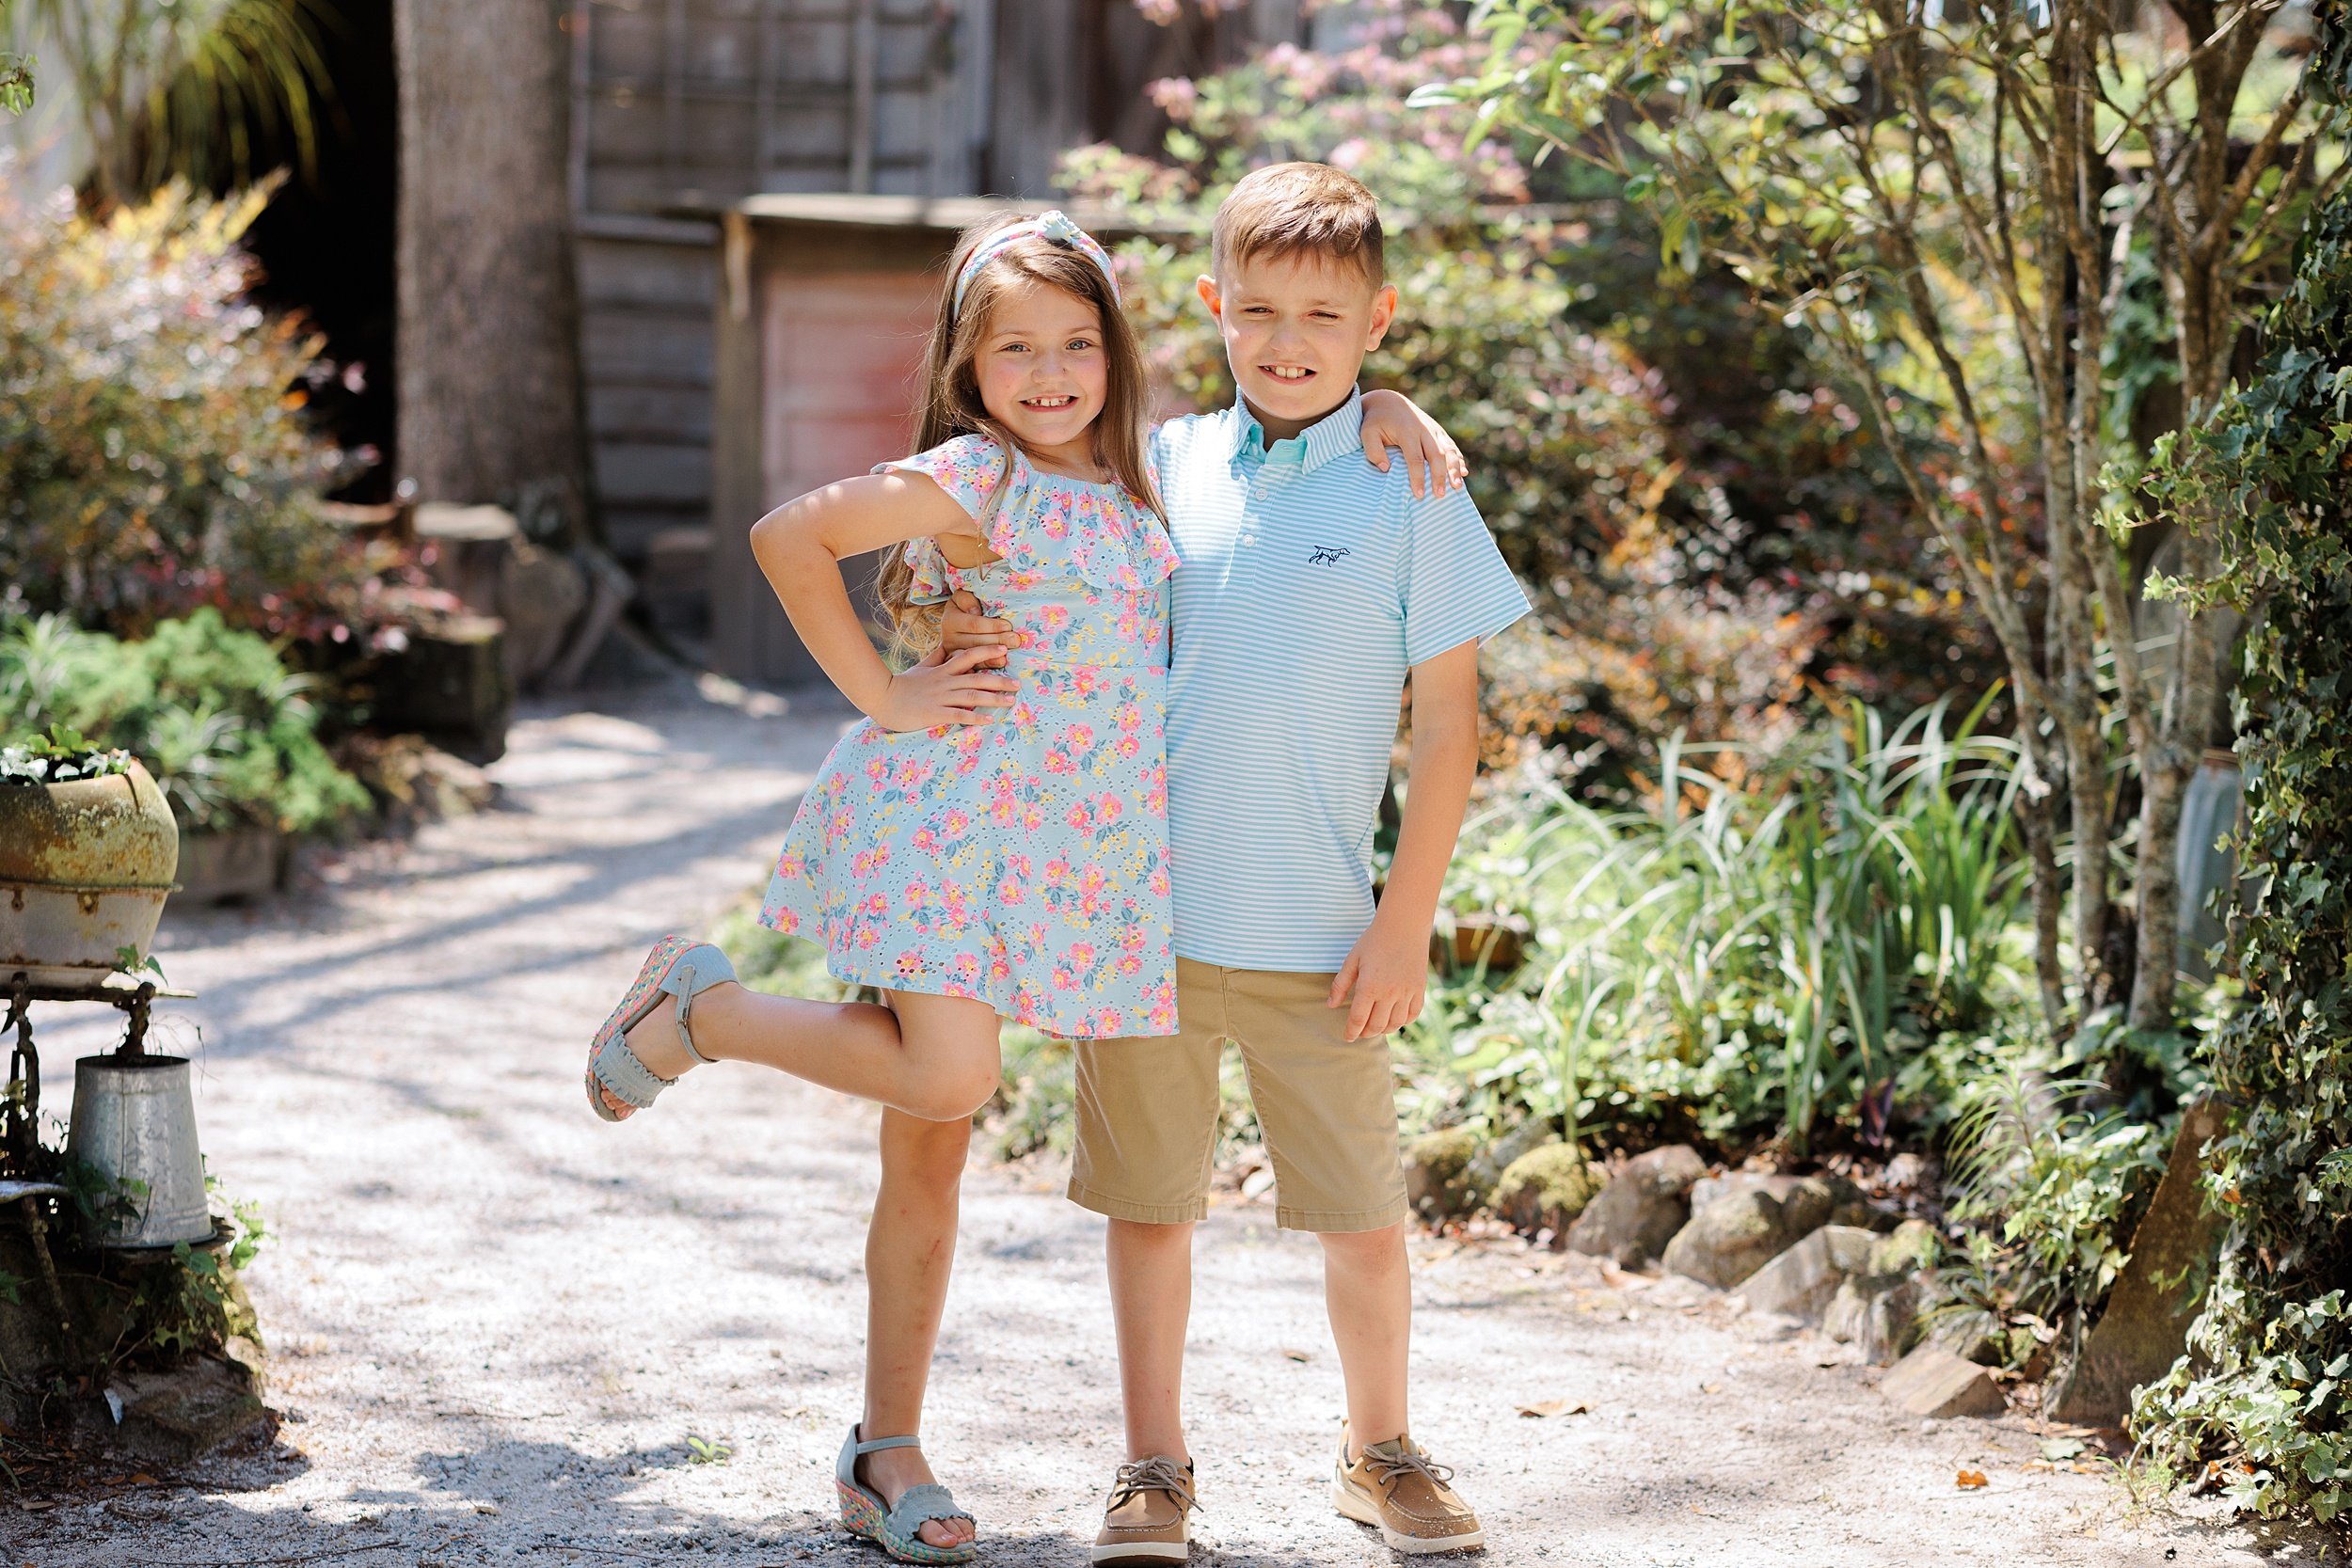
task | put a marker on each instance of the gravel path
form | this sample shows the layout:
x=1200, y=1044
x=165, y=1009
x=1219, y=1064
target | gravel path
x=498, y=1323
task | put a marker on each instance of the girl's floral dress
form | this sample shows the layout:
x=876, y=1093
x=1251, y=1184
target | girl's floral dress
x=1024, y=861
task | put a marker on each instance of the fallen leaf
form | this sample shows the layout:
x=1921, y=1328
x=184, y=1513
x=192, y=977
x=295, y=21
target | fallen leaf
x=1710, y=1388
x=2061, y=1448
x=143, y=1479
x=1556, y=1407
x=1968, y=1481
x=1299, y=1354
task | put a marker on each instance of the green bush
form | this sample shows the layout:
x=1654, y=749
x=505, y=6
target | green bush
x=1704, y=523
x=1778, y=962
x=154, y=457
x=213, y=711
x=2268, y=1385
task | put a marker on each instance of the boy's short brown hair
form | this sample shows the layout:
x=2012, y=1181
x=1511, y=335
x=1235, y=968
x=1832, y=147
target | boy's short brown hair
x=1299, y=209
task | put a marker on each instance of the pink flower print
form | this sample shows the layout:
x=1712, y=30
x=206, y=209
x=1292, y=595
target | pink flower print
x=1063, y=979
x=1057, y=872
x=966, y=968
x=1031, y=817
x=877, y=905
x=877, y=769
x=1126, y=746
x=910, y=964
x=786, y=921
x=998, y=969
x=1087, y=678
x=1130, y=964
x=916, y=894
x=1131, y=935
x=1106, y=810
x=1021, y=866
x=1059, y=761
x=1106, y=1023
x=1128, y=717
x=925, y=841
x=1052, y=617
x=1159, y=883
x=869, y=937
x=1056, y=524
x=1164, y=1018
x=1009, y=892
x=1077, y=816
x=790, y=865
x=1078, y=737
x=955, y=822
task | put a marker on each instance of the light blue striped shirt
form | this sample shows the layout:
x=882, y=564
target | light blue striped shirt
x=1310, y=584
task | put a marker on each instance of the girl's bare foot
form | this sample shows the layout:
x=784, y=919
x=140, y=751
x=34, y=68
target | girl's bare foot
x=892, y=1472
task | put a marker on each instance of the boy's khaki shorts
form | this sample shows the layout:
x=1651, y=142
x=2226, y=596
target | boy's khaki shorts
x=1148, y=1106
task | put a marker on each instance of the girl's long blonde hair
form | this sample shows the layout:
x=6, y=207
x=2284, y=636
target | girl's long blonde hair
x=948, y=404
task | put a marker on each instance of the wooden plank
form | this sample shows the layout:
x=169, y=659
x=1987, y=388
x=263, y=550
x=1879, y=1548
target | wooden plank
x=635, y=472
x=618, y=411
x=659, y=277
x=665, y=351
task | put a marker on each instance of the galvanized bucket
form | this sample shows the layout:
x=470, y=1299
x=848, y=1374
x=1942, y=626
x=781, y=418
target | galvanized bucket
x=135, y=1121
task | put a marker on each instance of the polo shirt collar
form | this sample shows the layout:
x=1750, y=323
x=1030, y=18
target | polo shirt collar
x=1335, y=435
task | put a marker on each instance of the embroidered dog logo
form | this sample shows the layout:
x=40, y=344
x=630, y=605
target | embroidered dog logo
x=1326, y=555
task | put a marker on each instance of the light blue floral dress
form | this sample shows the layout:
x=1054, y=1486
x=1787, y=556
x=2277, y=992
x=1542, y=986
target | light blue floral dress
x=1022, y=863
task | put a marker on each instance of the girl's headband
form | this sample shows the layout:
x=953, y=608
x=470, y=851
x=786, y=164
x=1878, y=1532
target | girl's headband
x=1047, y=226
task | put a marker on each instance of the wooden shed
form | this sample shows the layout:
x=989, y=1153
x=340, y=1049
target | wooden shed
x=680, y=107
x=823, y=304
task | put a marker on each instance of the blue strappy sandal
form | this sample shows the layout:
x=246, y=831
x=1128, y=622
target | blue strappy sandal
x=862, y=1507
x=677, y=966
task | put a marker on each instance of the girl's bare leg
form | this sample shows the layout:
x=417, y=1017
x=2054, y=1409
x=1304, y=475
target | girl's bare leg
x=908, y=1250
x=853, y=1047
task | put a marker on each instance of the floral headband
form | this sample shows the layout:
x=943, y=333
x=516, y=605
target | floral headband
x=1051, y=226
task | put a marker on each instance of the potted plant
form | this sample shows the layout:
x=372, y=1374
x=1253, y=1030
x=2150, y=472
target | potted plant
x=87, y=852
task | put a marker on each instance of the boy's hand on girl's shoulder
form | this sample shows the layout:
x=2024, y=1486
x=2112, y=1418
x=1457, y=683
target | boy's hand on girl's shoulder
x=1433, y=462
x=964, y=626
x=1384, y=980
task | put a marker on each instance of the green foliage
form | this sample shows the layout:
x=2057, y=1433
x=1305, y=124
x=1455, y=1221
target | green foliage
x=213, y=711
x=2274, y=1342
x=2053, y=1190
x=152, y=457
x=1774, y=960
x=1693, y=503
x=177, y=89
x=59, y=756
x=199, y=1303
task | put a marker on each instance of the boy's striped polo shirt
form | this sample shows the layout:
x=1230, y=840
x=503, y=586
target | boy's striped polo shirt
x=1311, y=584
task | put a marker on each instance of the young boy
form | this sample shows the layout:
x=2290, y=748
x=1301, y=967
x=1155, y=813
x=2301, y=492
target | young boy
x=1310, y=588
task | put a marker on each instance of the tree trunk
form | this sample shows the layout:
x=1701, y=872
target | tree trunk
x=488, y=344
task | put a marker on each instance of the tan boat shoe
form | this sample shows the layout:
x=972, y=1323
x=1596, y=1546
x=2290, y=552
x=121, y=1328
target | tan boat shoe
x=1394, y=1486
x=1144, y=1520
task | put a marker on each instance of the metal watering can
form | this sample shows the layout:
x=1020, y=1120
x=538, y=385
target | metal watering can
x=135, y=1121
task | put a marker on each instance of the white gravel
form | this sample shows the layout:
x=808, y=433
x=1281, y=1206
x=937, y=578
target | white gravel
x=497, y=1321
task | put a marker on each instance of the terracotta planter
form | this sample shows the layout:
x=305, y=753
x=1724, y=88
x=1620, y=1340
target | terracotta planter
x=85, y=867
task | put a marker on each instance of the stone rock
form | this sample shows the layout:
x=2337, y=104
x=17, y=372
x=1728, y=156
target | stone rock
x=1877, y=1314
x=1488, y=1166
x=2145, y=1327
x=1546, y=1189
x=1436, y=1173
x=1935, y=1383
x=1973, y=1336
x=1642, y=1208
x=1806, y=1202
x=1730, y=1238
x=1801, y=1281
x=186, y=1413
x=1912, y=1245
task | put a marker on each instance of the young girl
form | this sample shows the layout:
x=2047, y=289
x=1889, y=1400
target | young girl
x=990, y=843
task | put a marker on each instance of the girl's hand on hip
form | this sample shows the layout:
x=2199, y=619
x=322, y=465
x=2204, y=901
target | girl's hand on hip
x=964, y=623
x=1383, y=981
x=945, y=688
